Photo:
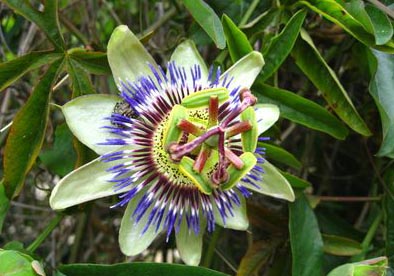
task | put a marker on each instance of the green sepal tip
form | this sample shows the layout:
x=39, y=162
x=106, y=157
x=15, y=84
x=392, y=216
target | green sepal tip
x=199, y=179
x=201, y=98
x=249, y=138
x=236, y=175
x=173, y=133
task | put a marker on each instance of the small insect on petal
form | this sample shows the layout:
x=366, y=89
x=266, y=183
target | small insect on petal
x=199, y=179
x=236, y=175
x=173, y=133
x=201, y=98
x=249, y=138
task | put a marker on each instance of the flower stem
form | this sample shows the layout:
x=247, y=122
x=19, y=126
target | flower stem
x=44, y=234
x=211, y=247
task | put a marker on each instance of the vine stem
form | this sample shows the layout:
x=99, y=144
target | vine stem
x=349, y=198
x=211, y=247
x=44, y=234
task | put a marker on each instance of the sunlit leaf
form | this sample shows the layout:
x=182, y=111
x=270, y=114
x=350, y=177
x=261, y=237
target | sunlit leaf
x=237, y=42
x=281, y=45
x=301, y=110
x=376, y=267
x=310, y=61
x=305, y=239
x=47, y=19
x=16, y=263
x=12, y=70
x=137, y=269
x=208, y=20
x=27, y=132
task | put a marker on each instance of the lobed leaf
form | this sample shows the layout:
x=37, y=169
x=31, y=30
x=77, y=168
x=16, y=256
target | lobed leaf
x=81, y=84
x=27, y=132
x=305, y=239
x=300, y=110
x=208, y=20
x=93, y=62
x=47, y=19
x=12, y=70
x=310, y=61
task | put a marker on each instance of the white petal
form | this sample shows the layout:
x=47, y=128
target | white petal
x=189, y=244
x=239, y=220
x=84, y=184
x=245, y=70
x=186, y=55
x=127, y=57
x=85, y=118
x=131, y=240
x=274, y=184
x=266, y=116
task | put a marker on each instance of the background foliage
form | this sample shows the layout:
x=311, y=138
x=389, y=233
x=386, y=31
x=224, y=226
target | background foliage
x=330, y=69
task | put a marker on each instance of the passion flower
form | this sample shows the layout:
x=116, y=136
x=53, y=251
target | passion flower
x=180, y=148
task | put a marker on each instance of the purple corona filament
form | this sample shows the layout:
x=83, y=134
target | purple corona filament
x=147, y=167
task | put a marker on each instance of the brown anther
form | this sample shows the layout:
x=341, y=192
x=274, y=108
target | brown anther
x=234, y=159
x=238, y=128
x=202, y=158
x=246, y=94
x=189, y=127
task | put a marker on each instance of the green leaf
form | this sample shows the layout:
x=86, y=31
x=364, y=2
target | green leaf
x=4, y=205
x=16, y=263
x=27, y=132
x=137, y=269
x=382, y=27
x=61, y=157
x=381, y=89
x=258, y=254
x=305, y=239
x=309, y=60
x=81, y=84
x=47, y=19
x=295, y=181
x=300, y=110
x=281, y=155
x=336, y=12
x=388, y=219
x=237, y=42
x=281, y=45
x=377, y=266
x=340, y=246
x=208, y=20
x=12, y=70
x=94, y=62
